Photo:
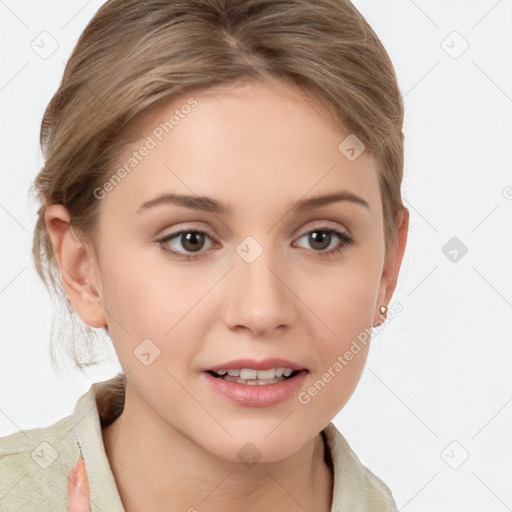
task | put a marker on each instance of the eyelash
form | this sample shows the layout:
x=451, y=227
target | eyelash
x=344, y=237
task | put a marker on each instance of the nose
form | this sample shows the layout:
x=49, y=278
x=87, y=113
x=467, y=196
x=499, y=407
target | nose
x=259, y=296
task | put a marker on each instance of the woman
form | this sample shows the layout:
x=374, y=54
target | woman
x=221, y=194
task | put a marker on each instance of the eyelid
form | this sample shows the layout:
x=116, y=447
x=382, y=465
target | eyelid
x=317, y=224
x=179, y=231
x=180, y=227
x=324, y=225
x=341, y=233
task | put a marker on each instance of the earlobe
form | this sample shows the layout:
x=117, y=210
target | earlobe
x=77, y=265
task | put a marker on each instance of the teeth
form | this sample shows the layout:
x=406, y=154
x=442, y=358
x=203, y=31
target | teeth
x=258, y=382
x=250, y=374
x=263, y=374
x=253, y=382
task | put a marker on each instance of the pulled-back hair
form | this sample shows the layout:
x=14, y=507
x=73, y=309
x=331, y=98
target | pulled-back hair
x=135, y=53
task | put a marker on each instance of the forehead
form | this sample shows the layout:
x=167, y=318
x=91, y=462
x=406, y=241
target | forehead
x=256, y=142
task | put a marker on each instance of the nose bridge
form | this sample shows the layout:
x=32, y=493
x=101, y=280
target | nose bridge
x=258, y=297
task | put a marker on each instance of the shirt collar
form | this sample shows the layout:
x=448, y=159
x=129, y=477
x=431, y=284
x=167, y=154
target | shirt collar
x=350, y=489
x=349, y=483
x=87, y=428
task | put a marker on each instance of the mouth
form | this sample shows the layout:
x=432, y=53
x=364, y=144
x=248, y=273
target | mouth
x=256, y=384
x=253, y=377
x=257, y=372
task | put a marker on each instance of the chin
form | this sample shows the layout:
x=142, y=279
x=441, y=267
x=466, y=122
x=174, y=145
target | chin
x=258, y=443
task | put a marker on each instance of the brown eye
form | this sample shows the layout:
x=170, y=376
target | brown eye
x=191, y=241
x=321, y=239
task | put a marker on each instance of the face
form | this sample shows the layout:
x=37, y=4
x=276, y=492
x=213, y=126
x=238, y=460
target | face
x=247, y=273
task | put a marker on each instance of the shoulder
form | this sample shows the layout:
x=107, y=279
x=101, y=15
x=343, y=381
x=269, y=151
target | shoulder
x=34, y=467
x=355, y=486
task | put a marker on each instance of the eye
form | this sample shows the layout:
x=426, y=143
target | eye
x=321, y=238
x=193, y=241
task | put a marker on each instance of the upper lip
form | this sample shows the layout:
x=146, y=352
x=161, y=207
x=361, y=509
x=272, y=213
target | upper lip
x=253, y=364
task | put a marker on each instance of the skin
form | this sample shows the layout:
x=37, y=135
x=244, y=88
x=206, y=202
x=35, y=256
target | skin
x=258, y=148
x=78, y=489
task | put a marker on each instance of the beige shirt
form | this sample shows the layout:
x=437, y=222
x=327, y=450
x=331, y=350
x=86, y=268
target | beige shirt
x=35, y=463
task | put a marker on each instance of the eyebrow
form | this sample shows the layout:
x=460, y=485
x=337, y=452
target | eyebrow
x=208, y=204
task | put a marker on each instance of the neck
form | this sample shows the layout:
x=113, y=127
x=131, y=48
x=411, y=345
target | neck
x=157, y=467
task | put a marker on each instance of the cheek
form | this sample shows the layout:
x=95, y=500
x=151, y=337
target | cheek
x=344, y=303
x=152, y=299
x=343, y=299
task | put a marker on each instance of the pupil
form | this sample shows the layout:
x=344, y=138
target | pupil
x=315, y=238
x=192, y=239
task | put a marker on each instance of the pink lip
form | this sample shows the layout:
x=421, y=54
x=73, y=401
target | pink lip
x=256, y=395
x=253, y=364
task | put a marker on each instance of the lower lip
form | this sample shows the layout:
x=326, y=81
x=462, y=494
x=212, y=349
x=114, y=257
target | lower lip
x=256, y=395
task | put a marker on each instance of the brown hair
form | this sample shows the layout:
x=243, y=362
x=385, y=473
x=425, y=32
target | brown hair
x=134, y=53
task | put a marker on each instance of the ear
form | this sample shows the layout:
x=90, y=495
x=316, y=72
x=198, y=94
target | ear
x=390, y=273
x=78, y=267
